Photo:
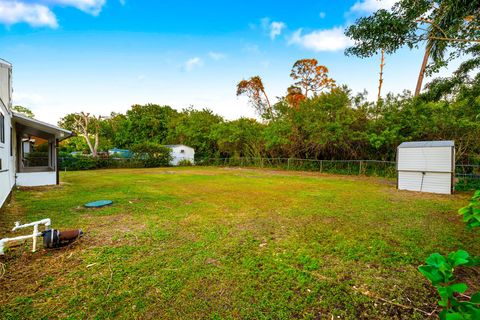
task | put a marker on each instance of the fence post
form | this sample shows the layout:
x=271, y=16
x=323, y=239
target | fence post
x=360, y=168
x=321, y=166
x=288, y=164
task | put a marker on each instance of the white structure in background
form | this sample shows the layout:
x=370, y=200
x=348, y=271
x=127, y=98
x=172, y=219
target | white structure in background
x=28, y=147
x=180, y=153
x=426, y=166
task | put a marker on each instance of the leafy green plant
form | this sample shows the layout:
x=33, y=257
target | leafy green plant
x=467, y=184
x=471, y=213
x=151, y=154
x=440, y=271
x=185, y=163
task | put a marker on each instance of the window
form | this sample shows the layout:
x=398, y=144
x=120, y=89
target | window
x=35, y=152
x=2, y=128
x=182, y=151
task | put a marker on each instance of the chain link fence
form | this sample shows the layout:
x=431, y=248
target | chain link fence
x=348, y=167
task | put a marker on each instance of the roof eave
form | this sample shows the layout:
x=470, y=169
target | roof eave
x=60, y=133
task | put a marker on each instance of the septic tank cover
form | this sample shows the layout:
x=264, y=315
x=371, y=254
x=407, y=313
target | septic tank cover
x=99, y=204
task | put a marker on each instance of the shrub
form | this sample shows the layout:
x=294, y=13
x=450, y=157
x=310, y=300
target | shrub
x=151, y=154
x=467, y=184
x=185, y=163
x=440, y=271
x=74, y=163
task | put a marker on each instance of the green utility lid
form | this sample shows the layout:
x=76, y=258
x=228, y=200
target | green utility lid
x=99, y=204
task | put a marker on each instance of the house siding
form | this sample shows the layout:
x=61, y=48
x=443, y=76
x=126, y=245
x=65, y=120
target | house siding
x=36, y=179
x=7, y=173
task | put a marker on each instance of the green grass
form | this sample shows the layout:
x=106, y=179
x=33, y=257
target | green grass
x=190, y=243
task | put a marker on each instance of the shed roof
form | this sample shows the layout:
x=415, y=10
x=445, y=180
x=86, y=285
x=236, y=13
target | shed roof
x=427, y=144
x=5, y=63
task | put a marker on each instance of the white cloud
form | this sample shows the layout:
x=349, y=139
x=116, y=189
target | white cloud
x=193, y=63
x=274, y=28
x=92, y=7
x=322, y=15
x=216, y=55
x=369, y=6
x=321, y=40
x=36, y=15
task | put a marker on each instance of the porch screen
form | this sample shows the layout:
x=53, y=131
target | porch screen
x=35, y=152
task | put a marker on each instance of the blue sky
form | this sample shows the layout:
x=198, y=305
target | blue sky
x=105, y=55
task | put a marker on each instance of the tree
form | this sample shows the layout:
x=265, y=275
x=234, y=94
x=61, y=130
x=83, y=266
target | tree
x=311, y=77
x=439, y=25
x=242, y=137
x=254, y=89
x=85, y=125
x=25, y=111
x=152, y=154
x=194, y=128
x=295, y=97
x=148, y=122
x=380, y=80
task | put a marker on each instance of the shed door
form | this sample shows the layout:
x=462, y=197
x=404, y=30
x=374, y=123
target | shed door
x=435, y=182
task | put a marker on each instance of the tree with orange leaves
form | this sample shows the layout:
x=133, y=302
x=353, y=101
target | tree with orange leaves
x=295, y=97
x=254, y=89
x=311, y=77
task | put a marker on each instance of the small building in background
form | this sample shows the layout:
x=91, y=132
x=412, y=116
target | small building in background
x=120, y=153
x=181, y=153
x=426, y=166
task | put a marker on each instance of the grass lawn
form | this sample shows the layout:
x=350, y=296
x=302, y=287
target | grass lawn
x=190, y=243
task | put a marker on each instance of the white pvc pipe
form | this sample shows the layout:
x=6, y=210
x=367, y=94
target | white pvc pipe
x=5, y=240
x=33, y=236
x=46, y=222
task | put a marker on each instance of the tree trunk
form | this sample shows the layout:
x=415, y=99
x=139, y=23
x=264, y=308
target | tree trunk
x=89, y=143
x=422, y=71
x=269, y=105
x=380, y=81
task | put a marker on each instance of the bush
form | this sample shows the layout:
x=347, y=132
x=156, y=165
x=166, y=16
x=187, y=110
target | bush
x=440, y=271
x=74, y=163
x=467, y=184
x=150, y=154
x=185, y=163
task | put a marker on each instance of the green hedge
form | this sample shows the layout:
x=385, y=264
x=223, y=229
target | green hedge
x=145, y=155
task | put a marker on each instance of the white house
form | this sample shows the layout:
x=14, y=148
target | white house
x=28, y=147
x=426, y=166
x=180, y=153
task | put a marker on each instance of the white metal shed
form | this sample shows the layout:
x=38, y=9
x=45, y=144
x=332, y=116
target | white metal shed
x=181, y=153
x=426, y=166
